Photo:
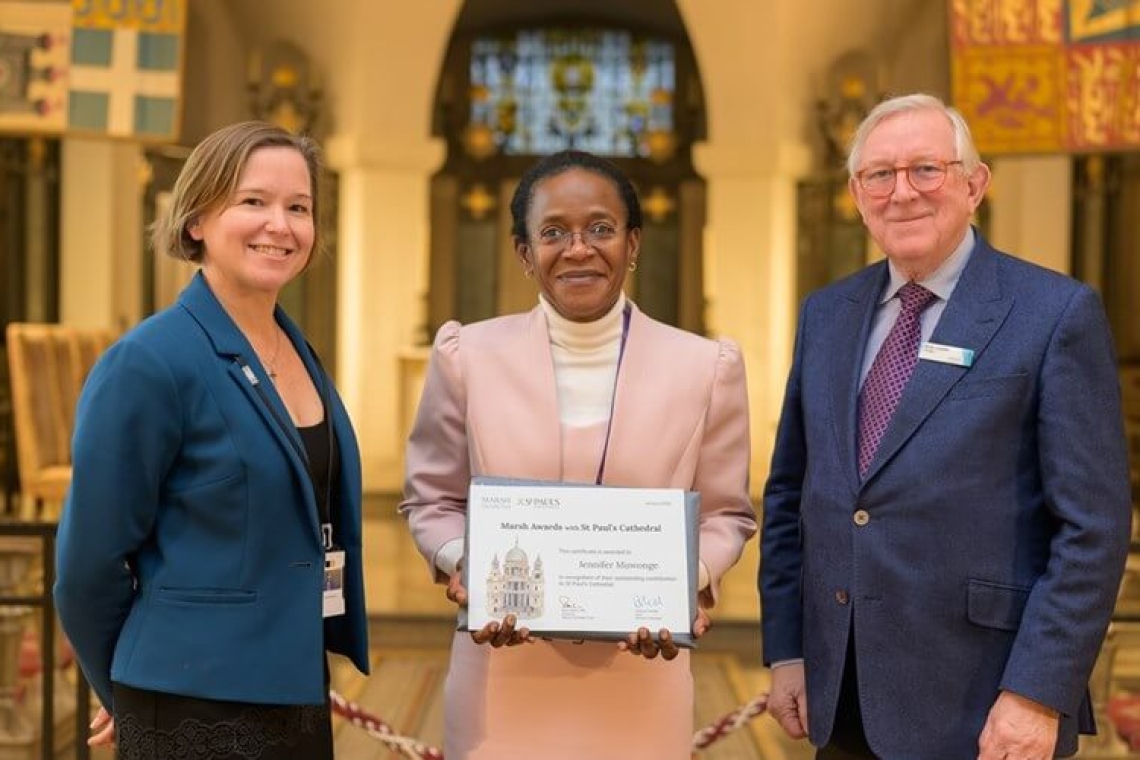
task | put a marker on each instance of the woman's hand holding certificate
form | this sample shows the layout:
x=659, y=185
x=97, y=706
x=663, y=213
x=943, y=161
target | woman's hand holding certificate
x=642, y=643
x=494, y=633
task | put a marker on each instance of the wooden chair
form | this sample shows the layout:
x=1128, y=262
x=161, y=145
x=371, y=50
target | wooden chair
x=48, y=364
x=85, y=346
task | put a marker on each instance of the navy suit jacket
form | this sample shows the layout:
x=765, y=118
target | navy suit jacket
x=190, y=558
x=997, y=506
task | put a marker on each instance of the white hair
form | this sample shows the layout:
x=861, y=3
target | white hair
x=964, y=147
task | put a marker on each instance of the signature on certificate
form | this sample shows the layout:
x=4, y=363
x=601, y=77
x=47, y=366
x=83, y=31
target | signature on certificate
x=569, y=605
x=645, y=602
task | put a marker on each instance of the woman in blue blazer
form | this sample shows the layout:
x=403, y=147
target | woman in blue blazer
x=210, y=547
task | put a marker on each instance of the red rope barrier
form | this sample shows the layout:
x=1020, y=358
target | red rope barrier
x=730, y=722
x=378, y=729
x=417, y=750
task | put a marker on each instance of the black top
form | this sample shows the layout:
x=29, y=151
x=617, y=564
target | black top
x=324, y=466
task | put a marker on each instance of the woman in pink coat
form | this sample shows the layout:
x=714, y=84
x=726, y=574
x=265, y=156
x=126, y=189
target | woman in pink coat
x=583, y=388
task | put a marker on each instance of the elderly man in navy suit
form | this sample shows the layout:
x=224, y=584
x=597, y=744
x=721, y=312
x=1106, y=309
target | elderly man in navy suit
x=947, y=516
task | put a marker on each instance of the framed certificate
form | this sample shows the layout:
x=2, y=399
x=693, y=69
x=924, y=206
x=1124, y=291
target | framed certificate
x=580, y=561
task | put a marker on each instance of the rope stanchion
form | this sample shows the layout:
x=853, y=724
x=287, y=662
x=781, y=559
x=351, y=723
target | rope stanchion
x=730, y=722
x=417, y=750
x=380, y=730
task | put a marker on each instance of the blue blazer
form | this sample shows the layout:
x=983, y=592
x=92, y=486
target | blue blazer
x=998, y=505
x=190, y=557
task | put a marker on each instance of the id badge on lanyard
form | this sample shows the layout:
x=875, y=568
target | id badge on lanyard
x=333, y=603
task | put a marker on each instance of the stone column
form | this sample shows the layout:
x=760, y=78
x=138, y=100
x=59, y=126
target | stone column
x=382, y=272
x=101, y=240
x=750, y=272
x=1033, y=209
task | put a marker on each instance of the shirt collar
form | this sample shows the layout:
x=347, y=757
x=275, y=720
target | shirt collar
x=942, y=280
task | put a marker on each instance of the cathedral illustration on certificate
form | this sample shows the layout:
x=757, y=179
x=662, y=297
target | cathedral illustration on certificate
x=516, y=587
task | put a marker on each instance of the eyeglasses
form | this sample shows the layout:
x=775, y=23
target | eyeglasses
x=558, y=239
x=925, y=177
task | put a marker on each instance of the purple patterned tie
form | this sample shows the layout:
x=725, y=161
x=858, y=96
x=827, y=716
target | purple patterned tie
x=889, y=373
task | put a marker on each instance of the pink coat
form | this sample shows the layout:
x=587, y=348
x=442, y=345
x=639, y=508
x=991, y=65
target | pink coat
x=489, y=407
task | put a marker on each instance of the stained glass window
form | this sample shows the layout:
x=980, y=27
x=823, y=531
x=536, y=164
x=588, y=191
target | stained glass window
x=606, y=91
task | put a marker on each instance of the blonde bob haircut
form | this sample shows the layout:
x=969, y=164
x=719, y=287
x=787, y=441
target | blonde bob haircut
x=210, y=177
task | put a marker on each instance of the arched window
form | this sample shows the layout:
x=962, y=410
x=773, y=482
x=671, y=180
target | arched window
x=621, y=83
x=537, y=91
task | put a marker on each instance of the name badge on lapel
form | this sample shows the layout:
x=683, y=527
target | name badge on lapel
x=937, y=352
x=333, y=603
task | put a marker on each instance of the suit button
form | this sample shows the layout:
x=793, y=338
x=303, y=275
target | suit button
x=841, y=596
x=861, y=517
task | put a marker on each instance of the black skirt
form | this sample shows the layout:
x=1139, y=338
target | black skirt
x=151, y=725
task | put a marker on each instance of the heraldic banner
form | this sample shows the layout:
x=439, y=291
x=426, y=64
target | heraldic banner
x=1048, y=76
x=99, y=68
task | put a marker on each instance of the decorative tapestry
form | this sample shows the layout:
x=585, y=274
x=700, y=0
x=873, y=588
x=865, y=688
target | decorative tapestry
x=1046, y=76
x=93, y=67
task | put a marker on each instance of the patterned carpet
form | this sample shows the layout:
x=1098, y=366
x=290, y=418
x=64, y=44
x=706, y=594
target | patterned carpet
x=406, y=690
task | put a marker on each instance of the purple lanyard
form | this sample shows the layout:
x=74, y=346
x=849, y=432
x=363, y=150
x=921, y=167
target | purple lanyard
x=613, y=396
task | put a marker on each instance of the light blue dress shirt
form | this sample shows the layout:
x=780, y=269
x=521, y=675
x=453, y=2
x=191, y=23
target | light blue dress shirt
x=941, y=283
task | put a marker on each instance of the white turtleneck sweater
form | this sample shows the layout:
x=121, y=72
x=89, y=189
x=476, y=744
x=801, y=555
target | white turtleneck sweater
x=585, y=363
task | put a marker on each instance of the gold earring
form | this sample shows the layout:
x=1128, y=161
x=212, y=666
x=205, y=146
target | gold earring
x=529, y=273
x=633, y=265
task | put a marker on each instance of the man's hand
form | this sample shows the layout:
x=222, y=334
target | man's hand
x=787, y=699
x=1018, y=729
